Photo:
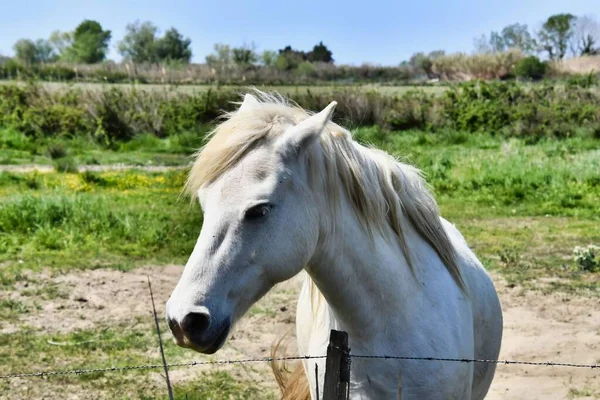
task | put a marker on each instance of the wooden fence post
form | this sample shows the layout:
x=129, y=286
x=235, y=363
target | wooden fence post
x=337, y=367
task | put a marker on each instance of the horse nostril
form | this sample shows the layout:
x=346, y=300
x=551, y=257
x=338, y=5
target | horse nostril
x=195, y=323
x=173, y=326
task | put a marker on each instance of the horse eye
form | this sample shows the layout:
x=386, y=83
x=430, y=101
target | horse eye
x=258, y=211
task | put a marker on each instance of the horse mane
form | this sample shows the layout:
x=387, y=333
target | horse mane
x=383, y=190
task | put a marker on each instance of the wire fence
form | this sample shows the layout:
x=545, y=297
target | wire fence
x=31, y=374
x=330, y=384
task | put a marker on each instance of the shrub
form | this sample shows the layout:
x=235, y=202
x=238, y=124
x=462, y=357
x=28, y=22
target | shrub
x=585, y=81
x=411, y=111
x=531, y=68
x=92, y=178
x=66, y=164
x=587, y=258
x=115, y=115
x=11, y=139
x=57, y=151
x=461, y=66
x=33, y=181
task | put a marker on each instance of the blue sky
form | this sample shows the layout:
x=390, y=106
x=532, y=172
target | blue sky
x=375, y=31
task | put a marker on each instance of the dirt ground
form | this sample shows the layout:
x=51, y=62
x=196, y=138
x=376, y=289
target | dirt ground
x=537, y=327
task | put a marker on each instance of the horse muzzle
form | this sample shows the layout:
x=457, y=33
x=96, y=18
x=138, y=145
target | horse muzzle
x=198, y=331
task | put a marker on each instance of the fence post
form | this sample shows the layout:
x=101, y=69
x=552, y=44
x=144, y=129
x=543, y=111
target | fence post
x=337, y=367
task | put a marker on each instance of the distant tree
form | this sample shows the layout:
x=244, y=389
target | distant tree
x=288, y=50
x=305, y=69
x=244, y=56
x=497, y=42
x=285, y=62
x=61, y=41
x=222, y=57
x=514, y=36
x=289, y=58
x=25, y=51
x=29, y=52
x=482, y=45
x=517, y=36
x=90, y=43
x=320, y=53
x=585, y=36
x=436, y=54
x=268, y=58
x=139, y=43
x=424, y=63
x=555, y=35
x=45, y=51
x=173, y=47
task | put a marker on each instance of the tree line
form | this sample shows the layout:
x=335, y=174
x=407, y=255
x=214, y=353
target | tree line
x=509, y=53
x=559, y=35
x=89, y=44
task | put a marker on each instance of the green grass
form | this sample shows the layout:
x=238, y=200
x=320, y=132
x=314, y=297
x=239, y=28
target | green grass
x=142, y=150
x=12, y=308
x=522, y=207
x=585, y=392
x=119, y=345
x=535, y=200
x=91, y=220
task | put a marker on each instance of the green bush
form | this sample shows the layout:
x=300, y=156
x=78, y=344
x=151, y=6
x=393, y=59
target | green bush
x=587, y=258
x=531, y=68
x=585, y=81
x=11, y=139
x=66, y=164
x=514, y=110
x=114, y=115
x=56, y=151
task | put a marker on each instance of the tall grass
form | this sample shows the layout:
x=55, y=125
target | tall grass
x=578, y=65
x=111, y=72
x=466, y=67
x=115, y=115
x=112, y=218
x=451, y=67
x=64, y=219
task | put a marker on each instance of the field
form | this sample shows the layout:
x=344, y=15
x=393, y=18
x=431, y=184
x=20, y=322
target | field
x=284, y=89
x=77, y=247
x=86, y=217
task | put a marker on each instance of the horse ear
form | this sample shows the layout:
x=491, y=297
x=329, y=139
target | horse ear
x=249, y=103
x=306, y=132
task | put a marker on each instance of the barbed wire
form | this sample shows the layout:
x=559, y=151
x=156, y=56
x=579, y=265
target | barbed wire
x=294, y=358
x=154, y=366
x=466, y=360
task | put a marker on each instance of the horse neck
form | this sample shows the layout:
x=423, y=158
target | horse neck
x=362, y=277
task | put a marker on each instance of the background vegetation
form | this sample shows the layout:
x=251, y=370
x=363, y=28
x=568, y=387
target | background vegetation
x=148, y=57
x=38, y=122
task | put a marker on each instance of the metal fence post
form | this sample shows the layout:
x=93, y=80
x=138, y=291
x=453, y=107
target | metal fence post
x=337, y=367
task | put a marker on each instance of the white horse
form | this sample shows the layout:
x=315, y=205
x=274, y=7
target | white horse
x=283, y=191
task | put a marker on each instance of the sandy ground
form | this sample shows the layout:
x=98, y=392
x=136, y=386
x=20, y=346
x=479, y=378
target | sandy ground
x=553, y=327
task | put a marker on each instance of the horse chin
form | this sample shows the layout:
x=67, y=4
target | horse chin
x=212, y=348
x=219, y=341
